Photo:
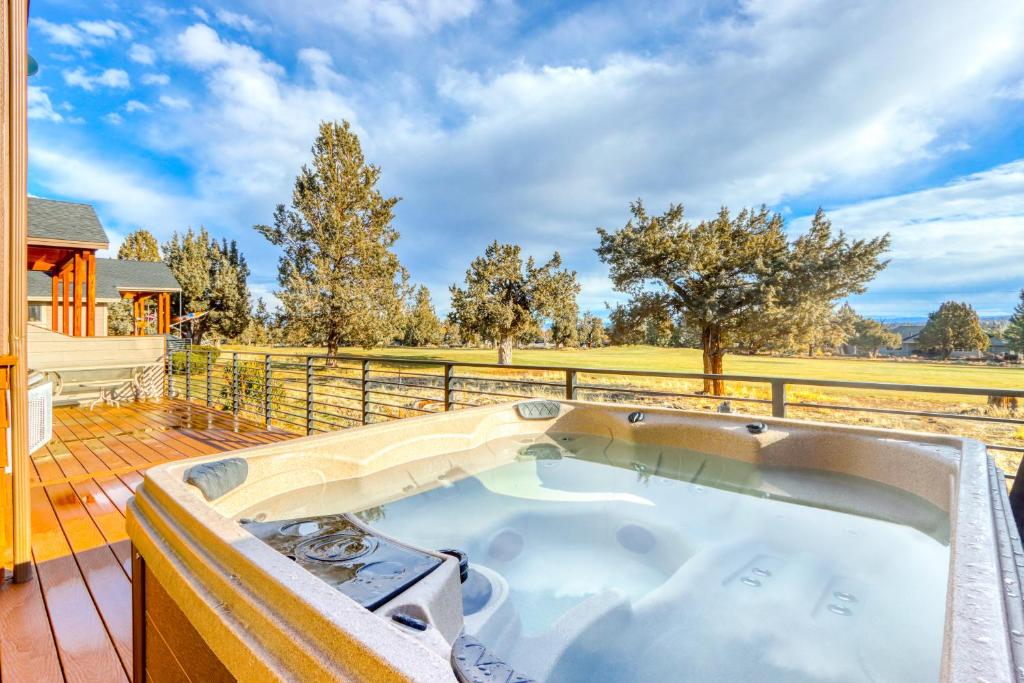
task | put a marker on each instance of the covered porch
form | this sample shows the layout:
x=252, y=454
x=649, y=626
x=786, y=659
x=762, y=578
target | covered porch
x=160, y=318
x=62, y=241
x=72, y=272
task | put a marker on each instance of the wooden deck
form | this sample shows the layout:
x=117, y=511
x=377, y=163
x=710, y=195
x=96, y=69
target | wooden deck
x=73, y=622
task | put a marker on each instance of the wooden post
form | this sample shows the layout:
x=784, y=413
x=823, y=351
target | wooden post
x=778, y=398
x=159, y=313
x=90, y=294
x=76, y=294
x=14, y=240
x=55, y=302
x=66, y=303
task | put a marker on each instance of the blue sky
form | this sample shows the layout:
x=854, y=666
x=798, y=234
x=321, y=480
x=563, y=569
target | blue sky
x=536, y=122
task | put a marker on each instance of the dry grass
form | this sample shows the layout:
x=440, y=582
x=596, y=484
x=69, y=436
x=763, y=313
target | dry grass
x=424, y=393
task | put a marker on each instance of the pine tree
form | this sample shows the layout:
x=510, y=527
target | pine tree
x=139, y=245
x=954, y=327
x=341, y=282
x=120, y=318
x=422, y=326
x=213, y=279
x=1015, y=329
x=722, y=275
x=591, y=331
x=872, y=336
x=505, y=302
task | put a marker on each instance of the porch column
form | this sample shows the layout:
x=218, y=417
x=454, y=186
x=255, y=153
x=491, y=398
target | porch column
x=66, y=282
x=90, y=294
x=55, y=302
x=165, y=315
x=76, y=294
x=135, y=315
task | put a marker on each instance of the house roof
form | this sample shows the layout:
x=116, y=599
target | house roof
x=49, y=219
x=114, y=276
x=908, y=332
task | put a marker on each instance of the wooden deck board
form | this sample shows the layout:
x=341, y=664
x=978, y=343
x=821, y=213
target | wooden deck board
x=73, y=622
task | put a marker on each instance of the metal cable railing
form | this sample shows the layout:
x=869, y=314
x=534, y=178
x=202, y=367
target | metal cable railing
x=316, y=393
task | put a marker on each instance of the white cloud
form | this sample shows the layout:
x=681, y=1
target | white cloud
x=172, y=102
x=488, y=135
x=364, y=18
x=82, y=34
x=142, y=54
x=40, y=107
x=155, y=79
x=1012, y=92
x=248, y=98
x=241, y=22
x=201, y=13
x=961, y=240
x=105, y=30
x=113, y=118
x=134, y=105
x=110, y=78
x=321, y=66
x=126, y=197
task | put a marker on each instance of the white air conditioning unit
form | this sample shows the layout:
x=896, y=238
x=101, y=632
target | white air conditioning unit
x=40, y=415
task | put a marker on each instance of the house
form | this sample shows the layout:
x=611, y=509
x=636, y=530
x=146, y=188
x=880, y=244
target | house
x=909, y=334
x=70, y=290
x=998, y=348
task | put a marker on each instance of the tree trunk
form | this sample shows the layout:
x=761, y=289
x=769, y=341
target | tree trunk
x=711, y=344
x=505, y=351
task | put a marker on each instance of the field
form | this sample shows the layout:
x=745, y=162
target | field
x=689, y=360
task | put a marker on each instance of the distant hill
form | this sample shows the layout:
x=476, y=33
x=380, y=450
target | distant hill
x=986, y=320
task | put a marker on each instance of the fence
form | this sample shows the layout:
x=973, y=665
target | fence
x=315, y=393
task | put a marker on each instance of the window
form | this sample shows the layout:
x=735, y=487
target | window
x=35, y=313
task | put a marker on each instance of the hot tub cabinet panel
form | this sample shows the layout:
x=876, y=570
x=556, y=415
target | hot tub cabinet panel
x=213, y=602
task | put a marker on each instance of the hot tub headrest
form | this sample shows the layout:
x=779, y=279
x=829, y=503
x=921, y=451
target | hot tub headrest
x=216, y=478
x=538, y=410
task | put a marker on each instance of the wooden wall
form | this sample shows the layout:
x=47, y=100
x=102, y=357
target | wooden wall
x=50, y=351
x=45, y=309
x=14, y=270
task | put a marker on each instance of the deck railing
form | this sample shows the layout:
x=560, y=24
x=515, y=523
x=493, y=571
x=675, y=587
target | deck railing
x=317, y=393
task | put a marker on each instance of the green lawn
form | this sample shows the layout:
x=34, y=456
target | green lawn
x=689, y=360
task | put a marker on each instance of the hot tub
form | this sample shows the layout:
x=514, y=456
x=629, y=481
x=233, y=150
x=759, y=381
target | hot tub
x=569, y=541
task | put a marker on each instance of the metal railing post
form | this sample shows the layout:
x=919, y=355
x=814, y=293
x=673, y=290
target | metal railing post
x=170, y=373
x=309, y=395
x=188, y=374
x=234, y=383
x=449, y=374
x=778, y=398
x=209, y=379
x=266, y=390
x=363, y=392
x=570, y=385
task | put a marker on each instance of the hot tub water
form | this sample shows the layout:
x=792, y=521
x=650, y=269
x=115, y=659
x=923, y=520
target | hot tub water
x=629, y=562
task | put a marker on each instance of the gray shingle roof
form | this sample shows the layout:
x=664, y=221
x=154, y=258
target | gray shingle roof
x=114, y=276
x=67, y=221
